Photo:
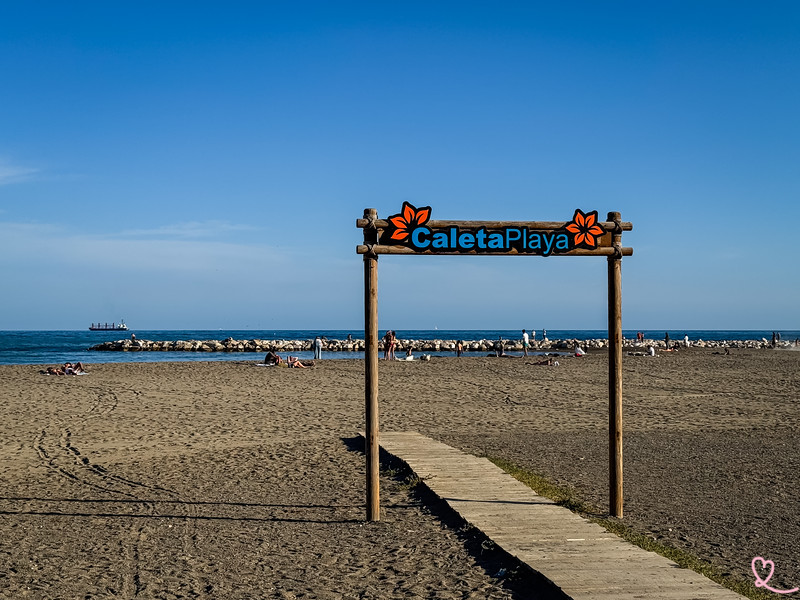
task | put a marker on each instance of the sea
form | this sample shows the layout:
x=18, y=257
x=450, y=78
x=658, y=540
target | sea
x=57, y=347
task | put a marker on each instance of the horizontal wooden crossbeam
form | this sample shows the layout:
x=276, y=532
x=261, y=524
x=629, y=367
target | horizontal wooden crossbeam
x=472, y=225
x=379, y=249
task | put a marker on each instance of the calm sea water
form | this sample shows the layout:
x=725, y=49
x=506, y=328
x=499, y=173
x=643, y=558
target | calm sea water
x=54, y=347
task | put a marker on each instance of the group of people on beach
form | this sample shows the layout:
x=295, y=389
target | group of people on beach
x=500, y=349
x=389, y=345
x=528, y=339
x=389, y=342
x=293, y=362
x=676, y=345
x=67, y=369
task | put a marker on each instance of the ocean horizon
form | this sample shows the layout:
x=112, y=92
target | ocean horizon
x=58, y=346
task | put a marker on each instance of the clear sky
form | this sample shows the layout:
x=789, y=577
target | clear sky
x=202, y=165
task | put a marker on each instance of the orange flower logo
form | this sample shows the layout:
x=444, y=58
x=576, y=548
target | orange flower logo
x=408, y=220
x=585, y=228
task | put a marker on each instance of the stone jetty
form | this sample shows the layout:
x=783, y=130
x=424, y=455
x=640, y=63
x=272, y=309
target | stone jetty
x=357, y=345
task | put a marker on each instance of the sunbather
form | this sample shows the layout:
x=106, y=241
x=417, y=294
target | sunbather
x=295, y=363
x=272, y=359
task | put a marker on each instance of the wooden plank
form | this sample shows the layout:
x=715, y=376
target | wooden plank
x=473, y=225
x=615, y=378
x=585, y=560
x=372, y=447
x=384, y=249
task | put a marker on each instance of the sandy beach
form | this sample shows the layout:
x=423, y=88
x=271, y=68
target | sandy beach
x=227, y=480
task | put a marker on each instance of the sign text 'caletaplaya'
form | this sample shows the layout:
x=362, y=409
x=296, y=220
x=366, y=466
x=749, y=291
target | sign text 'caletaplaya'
x=412, y=228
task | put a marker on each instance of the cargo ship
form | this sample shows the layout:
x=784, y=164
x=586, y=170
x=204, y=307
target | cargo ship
x=106, y=327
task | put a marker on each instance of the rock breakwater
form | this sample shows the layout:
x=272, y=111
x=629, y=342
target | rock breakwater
x=357, y=345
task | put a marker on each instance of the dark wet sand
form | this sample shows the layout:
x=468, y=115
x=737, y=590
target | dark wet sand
x=226, y=480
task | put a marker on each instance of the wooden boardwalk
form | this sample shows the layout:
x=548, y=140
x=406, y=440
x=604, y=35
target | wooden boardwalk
x=582, y=558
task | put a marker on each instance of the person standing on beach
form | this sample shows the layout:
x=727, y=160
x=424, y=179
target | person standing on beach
x=317, y=348
x=686, y=340
x=666, y=340
x=525, y=342
x=459, y=347
x=386, y=344
x=499, y=347
x=389, y=343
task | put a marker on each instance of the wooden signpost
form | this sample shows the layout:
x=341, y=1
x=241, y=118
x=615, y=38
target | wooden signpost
x=412, y=231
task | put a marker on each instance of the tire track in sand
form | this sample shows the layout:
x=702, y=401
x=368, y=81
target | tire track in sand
x=131, y=551
x=56, y=449
x=57, y=452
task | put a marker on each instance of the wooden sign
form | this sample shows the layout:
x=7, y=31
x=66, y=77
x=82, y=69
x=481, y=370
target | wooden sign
x=413, y=232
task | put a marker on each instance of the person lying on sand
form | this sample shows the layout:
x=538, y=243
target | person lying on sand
x=651, y=351
x=52, y=371
x=68, y=369
x=296, y=363
x=272, y=359
x=547, y=362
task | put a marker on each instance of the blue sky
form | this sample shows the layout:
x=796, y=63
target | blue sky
x=202, y=165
